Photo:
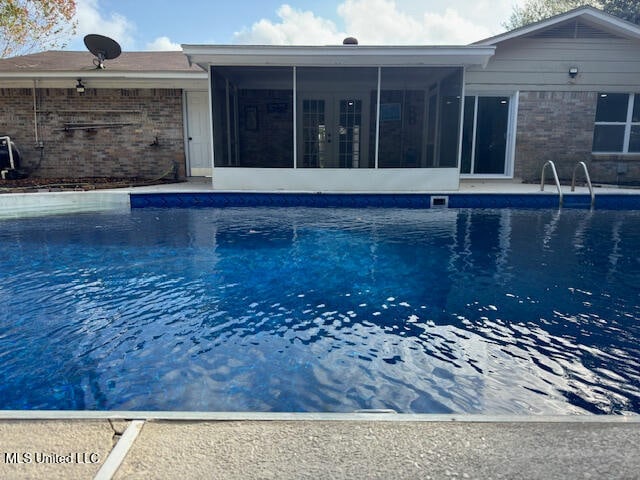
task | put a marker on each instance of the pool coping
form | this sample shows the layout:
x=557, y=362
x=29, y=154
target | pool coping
x=307, y=416
x=199, y=194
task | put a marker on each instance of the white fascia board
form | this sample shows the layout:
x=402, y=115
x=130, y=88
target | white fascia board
x=104, y=75
x=590, y=14
x=343, y=55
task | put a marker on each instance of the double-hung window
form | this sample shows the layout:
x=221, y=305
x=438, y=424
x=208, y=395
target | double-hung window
x=617, y=126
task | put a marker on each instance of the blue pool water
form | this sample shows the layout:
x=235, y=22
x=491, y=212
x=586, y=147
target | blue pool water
x=276, y=309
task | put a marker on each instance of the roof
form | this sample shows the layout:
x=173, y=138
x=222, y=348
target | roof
x=58, y=61
x=338, y=55
x=596, y=17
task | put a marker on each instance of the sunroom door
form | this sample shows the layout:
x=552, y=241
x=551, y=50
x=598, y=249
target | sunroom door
x=332, y=131
x=487, y=136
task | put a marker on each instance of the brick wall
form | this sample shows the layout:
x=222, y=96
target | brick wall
x=559, y=126
x=554, y=126
x=123, y=150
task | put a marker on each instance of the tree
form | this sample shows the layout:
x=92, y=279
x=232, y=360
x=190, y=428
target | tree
x=626, y=9
x=536, y=10
x=28, y=25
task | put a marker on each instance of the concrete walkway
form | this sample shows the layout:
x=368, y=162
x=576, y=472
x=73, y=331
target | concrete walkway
x=353, y=448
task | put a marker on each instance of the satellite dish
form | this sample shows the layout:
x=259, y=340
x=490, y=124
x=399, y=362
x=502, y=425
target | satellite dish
x=104, y=48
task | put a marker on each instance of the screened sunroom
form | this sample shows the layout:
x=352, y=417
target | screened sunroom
x=347, y=118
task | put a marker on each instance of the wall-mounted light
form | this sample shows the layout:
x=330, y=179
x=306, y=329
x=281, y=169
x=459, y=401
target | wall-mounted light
x=573, y=72
x=79, y=86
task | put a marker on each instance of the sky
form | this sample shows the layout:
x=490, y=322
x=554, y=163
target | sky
x=165, y=24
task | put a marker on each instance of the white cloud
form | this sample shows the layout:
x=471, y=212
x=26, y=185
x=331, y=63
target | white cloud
x=296, y=27
x=163, y=44
x=91, y=20
x=385, y=22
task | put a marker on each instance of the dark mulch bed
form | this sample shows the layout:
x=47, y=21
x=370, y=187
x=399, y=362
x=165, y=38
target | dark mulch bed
x=34, y=184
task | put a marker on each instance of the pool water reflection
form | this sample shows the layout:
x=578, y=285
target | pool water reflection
x=276, y=309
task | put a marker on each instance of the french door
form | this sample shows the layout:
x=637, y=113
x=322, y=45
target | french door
x=332, y=131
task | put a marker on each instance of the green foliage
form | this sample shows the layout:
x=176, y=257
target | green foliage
x=27, y=25
x=536, y=10
x=626, y=9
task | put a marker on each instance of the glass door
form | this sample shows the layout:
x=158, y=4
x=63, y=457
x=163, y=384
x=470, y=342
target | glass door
x=332, y=131
x=314, y=142
x=485, y=138
x=349, y=131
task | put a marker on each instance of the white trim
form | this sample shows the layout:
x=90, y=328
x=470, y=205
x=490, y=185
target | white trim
x=628, y=124
x=627, y=127
x=375, y=160
x=510, y=147
x=295, y=117
x=212, y=137
x=185, y=133
x=512, y=134
x=461, y=119
x=103, y=74
x=359, y=56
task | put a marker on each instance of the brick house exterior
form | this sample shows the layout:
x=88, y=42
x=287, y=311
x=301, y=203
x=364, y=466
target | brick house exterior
x=561, y=70
x=146, y=141
x=571, y=115
x=533, y=94
x=122, y=126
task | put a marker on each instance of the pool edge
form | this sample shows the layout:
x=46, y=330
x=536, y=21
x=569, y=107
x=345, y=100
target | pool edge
x=307, y=416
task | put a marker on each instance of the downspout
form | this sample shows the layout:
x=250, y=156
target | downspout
x=35, y=113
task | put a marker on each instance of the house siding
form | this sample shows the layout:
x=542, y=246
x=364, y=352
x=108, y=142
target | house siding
x=556, y=114
x=542, y=64
x=123, y=150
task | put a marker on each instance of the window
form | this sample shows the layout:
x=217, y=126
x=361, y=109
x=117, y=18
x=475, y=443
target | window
x=617, y=127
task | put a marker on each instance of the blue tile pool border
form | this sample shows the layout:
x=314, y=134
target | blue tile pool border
x=384, y=200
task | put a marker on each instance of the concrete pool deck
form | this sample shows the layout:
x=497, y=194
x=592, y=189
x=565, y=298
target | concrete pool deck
x=138, y=445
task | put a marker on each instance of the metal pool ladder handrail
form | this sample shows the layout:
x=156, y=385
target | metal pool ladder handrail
x=586, y=174
x=555, y=177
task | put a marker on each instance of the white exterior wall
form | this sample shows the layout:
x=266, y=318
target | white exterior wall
x=542, y=64
x=336, y=179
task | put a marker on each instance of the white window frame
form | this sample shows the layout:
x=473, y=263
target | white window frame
x=511, y=134
x=627, y=127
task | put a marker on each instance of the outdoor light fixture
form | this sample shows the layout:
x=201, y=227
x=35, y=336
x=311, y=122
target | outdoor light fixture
x=80, y=86
x=573, y=72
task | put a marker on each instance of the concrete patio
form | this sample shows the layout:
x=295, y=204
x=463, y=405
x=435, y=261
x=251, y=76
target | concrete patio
x=251, y=446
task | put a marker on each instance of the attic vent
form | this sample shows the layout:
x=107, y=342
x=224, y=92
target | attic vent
x=573, y=29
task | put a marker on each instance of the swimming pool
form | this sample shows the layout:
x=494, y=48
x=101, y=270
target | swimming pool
x=307, y=309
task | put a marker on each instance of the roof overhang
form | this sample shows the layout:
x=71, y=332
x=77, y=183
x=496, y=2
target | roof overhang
x=340, y=55
x=105, y=79
x=591, y=15
x=103, y=75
